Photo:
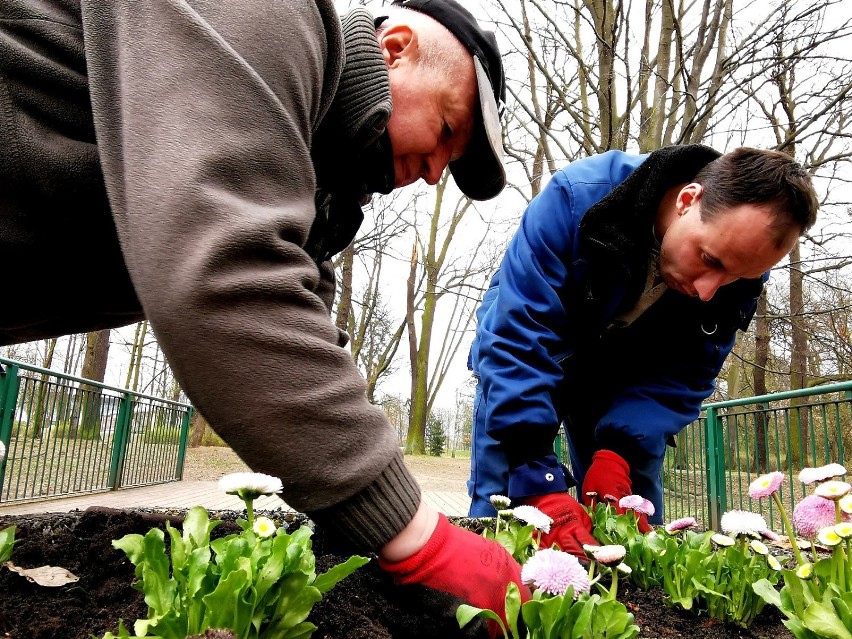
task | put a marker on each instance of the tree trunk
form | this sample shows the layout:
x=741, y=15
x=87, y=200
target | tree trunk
x=344, y=306
x=416, y=438
x=197, y=428
x=94, y=368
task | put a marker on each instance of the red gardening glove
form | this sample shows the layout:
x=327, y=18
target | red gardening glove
x=609, y=474
x=571, y=527
x=463, y=564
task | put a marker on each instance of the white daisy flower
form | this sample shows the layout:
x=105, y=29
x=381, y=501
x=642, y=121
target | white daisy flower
x=533, y=516
x=250, y=485
x=500, y=502
x=264, y=527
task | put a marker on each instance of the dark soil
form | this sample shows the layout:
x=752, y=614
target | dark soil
x=366, y=605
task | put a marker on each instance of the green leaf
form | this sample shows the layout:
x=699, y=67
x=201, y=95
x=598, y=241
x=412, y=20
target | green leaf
x=293, y=607
x=226, y=606
x=531, y=614
x=465, y=614
x=159, y=593
x=7, y=542
x=300, y=631
x=584, y=619
x=132, y=546
x=767, y=592
x=329, y=579
x=167, y=626
x=822, y=619
x=513, y=607
x=197, y=527
x=272, y=568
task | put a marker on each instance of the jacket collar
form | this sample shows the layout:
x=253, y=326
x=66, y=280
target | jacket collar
x=618, y=228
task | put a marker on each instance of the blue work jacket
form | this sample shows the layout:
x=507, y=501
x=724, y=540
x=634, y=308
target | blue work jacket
x=548, y=348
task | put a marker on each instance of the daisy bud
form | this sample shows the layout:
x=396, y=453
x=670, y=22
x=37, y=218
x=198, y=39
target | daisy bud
x=843, y=529
x=805, y=571
x=773, y=563
x=722, y=540
x=846, y=504
x=759, y=547
x=624, y=569
x=828, y=537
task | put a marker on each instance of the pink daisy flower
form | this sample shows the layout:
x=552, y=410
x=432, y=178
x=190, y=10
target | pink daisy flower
x=638, y=503
x=553, y=571
x=813, y=513
x=770, y=535
x=833, y=489
x=680, y=524
x=821, y=473
x=609, y=555
x=765, y=485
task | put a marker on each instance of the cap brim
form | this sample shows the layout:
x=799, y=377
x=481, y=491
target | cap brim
x=479, y=173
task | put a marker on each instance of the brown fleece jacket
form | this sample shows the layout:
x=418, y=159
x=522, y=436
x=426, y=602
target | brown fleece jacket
x=155, y=157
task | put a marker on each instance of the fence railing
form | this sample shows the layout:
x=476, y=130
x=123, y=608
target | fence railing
x=717, y=457
x=66, y=435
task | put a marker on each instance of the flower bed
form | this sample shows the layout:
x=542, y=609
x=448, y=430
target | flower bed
x=365, y=605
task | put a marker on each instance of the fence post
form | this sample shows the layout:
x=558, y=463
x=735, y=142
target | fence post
x=10, y=383
x=184, y=438
x=716, y=497
x=120, y=440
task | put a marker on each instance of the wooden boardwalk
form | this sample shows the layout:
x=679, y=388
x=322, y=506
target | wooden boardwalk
x=185, y=494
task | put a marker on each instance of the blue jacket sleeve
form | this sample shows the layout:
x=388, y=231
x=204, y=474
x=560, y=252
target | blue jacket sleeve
x=519, y=338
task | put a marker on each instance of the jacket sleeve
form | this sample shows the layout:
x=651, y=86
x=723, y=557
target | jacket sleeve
x=204, y=113
x=520, y=341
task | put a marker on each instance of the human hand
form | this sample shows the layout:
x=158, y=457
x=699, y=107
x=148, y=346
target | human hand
x=609, y=474
x=463, y=564
x=571, y=527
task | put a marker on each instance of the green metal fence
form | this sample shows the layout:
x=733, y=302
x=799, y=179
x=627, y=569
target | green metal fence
x=66, y=435
x=717, y=457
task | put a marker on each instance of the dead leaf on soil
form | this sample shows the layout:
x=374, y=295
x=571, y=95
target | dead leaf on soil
x=45, y=575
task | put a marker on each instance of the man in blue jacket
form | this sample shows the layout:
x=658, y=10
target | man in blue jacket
x=615, y=305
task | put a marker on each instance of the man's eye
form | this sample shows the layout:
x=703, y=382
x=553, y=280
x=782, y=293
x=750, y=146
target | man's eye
x=710, y=261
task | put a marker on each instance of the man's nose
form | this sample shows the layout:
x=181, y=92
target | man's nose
x=707, y=285
x=435, y=163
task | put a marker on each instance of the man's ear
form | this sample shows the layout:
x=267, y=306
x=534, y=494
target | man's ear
x=687, y=197
x=398, y=44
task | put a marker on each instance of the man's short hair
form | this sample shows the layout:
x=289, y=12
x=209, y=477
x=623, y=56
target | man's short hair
x=760, y=177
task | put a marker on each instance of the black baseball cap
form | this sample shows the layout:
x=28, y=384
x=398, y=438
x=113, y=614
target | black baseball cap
x=479, y=173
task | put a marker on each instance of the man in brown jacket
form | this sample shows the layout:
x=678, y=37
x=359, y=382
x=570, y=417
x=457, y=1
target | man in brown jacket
x=198, y=162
